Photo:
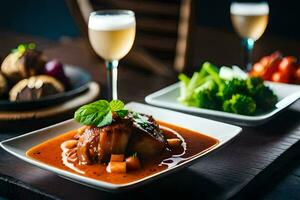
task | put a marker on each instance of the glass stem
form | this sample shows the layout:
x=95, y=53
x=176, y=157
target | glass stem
x=112, y=79
x=248, y=44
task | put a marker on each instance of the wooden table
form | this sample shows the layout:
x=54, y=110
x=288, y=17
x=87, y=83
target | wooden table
x=242, y=169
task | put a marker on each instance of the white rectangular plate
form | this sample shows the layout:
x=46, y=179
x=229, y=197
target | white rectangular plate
x=167, y=98
x=223, y=132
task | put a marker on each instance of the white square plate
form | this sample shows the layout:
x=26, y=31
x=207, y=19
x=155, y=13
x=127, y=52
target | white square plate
x=167, y=98
x=223, y=132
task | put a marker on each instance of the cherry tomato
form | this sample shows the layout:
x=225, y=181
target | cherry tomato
x=271, y=69
x=287, y=65
x=267, y=66
x=297, y=76
x=265, y=60
x=279, y=77
x=276, y=55
x=258, y=68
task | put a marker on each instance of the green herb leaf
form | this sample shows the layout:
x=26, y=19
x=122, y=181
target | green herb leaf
x=122, y=113
x=99, y=113
x=116, y=105
x=107, y=119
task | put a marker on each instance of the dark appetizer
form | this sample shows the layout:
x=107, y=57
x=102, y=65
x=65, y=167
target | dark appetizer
x=116, y=145
x=27, y=75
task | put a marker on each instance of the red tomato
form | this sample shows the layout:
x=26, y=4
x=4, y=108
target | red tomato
x=258, y=68
x=297, y=76
x=271, y=69
x=287, y=66
x=265, y=60
x=279, y=77
x=276, y=55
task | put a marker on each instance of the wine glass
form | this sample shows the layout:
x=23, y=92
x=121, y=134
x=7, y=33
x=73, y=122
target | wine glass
x=111, y=34
x=249, y=21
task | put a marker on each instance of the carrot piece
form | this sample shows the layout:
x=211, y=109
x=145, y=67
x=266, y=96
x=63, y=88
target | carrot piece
x=174, y=142
x=133, y=162
x=116, y=167
x=117, y=157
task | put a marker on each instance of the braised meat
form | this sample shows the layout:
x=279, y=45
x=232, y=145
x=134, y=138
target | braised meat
x=147, y=138
x=134, y=133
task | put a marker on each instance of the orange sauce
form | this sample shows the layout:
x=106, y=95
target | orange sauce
x=50, y=152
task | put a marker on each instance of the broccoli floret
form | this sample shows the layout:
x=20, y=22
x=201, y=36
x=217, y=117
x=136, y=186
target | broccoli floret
x=265, y=98
x=226, y=88
x=234, y=86
x=205, y=95
x=263, y=95
x=253, y=83
x=240, y=104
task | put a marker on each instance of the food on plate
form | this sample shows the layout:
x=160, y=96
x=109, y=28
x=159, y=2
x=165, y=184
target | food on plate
x=227, y=89
x=133, y=162
x=3, y=85
x=117, y=145
x=23, y=62
x=277, y=68
x=55, y=69
x=34, y=88
x=27, y=75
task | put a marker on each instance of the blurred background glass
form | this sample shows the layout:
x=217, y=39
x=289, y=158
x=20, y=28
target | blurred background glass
x=250, y=21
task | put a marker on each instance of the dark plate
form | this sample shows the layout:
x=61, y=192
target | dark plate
x=80, y=80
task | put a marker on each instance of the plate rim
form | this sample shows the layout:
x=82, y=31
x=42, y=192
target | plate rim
x=110, y=187
x=151, y=99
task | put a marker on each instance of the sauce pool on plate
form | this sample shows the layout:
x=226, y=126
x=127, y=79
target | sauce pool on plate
x=193, y=143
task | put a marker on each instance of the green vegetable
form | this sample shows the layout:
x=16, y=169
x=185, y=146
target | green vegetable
x=240, y=104
x=205, y=96
x=265, y=98
x=206, y=89
x=99, y=113
x=233, y=86
x=263, y=95
x=254, y=82
x=214, y=73
x=188, y=85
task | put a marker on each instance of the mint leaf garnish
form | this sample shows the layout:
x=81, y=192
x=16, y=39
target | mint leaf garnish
x=116, y=105
x=122, y=113
x=99, y=113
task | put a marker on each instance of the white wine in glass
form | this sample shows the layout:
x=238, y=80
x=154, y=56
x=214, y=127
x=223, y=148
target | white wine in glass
x=250, y=21
x=111, y=34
